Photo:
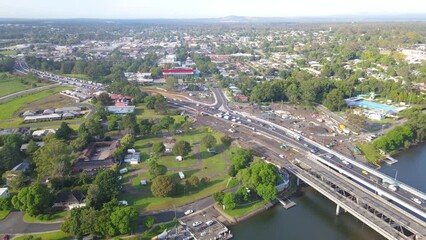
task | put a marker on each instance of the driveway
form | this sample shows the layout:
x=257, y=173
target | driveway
x=13, y=224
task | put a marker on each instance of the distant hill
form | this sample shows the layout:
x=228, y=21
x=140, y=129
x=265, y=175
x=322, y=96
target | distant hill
x=361, y=17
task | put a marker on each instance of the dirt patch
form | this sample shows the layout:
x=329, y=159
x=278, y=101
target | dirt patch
x=54, y=101
x=184, y=96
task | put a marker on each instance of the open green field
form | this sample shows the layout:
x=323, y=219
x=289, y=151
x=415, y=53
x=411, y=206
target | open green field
x=56, y=235
x=8, y=52
x=55, y=218
x=370, y=152
x=9, y=116
x=78, y=76
x=212, y=166
x=3, y=214
x=240, y=211
x=11, y=83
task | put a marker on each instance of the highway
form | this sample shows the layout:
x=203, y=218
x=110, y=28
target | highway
x=22, y=67
x=360, y=175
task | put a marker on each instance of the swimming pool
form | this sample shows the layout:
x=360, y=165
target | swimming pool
x=373, y=105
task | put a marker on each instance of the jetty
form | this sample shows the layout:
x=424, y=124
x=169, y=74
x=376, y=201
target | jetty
x=287, y=203
x=390, y=160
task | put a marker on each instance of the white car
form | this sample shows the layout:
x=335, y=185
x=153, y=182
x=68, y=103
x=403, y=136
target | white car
x=281, y=156
x=123, y=203
x=209, y=223
x=197, y=223
x=187, y=212
x=416, y=200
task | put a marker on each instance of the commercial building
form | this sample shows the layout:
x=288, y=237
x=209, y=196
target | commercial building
x=179, y=73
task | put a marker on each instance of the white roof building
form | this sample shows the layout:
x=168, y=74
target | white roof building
x=4, y=192
x=132, y=158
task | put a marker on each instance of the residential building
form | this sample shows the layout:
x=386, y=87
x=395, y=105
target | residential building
x=120, y=110
x=4, y=192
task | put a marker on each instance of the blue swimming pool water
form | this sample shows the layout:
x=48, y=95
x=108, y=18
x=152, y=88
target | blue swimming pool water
x=374, y=105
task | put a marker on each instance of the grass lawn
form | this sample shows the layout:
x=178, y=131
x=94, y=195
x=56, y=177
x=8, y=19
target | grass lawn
x=147, y=202
x=369, y=151
x=3, y=214
x=10, y=83
x=241, y=211
x=150, y=234
x=56, y=235
x=55, y=218
x=8, y=110
x=8, y=52
x=52, y=101
x=78, y=76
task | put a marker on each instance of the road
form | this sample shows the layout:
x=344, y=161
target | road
x=13, y=224
x=17, y=94
x=403, y=196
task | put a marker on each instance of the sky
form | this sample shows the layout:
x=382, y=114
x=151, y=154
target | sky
x=140, y=9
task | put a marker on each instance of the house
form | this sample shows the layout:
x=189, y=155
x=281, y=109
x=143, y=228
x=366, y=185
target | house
x=22, y=167
x=38, y=134
x=4, y=192
x=169, y=143
x=98, y=155
x=132, y=158
x=24, y=146
x=68, y=200
x=48, y=111
x=120, y=110
x=241, y=98
x=29, y=113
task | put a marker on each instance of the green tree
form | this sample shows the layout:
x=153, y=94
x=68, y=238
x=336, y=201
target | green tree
x=218, y=197
x=241, y=159
x=192, y=182
x=229, y=201
x=127, y=141
x=15, y=180
x=125, y=220
x=6, y=203
x=53, y=159
x=335, y=100
x=156, y=169
x=64, y=132
x=158, y=148
x=149, y=222
x=166, y=121
x=33, y=200
x=163, y=186
x=104, y=99
x=31, y=148
x=182, y=148
x=226, y=141
x=103, y=189
x=171, y=83
x=209, y=141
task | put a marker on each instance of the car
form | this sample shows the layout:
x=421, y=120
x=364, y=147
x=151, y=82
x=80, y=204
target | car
x=329, y=155
x=123, y=203
x=306, y=145
x=187, y=212
x=416, y=200
x=314, y=150
x=364, y=172
x=196, y=223
x=210, y=222
x=248, y=120
x=281, y=156
x=203, y=234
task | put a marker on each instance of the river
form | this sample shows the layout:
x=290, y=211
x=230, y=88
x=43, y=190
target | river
x=314, y=215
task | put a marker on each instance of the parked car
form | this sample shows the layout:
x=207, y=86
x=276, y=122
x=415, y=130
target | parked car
x=197, y=223
x=187, y=212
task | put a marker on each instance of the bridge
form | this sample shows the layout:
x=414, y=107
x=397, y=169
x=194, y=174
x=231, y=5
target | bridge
x=390, y=212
